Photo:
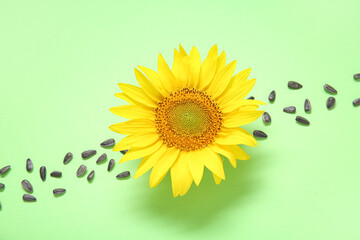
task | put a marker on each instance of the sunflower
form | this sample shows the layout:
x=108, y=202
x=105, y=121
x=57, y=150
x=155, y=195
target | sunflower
x=186, y=118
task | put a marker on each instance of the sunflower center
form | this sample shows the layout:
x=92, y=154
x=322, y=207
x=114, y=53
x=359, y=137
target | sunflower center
x=188, y=119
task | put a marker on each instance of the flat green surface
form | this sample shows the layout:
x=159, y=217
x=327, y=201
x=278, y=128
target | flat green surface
x=60, y=62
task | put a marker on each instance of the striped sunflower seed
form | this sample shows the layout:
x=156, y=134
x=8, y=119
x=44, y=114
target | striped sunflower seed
x=307, y=105
x=108, y=143
x=4, y=169
x=302, y=120
x=266, y=117
x=124, y=151
x=81, y=170
x=259, y=134
x=88, y=153
x=330, y=89
x=290, y=109
x=43, y=173
x=123, y=175
x=27, y=186
x=91, y=175
x=29, y=165
x=294, y=85
x=111, y=165
x=251, y=98
x=356, y=102
x=272, y=96
x=59, y=191
x=2, y=186
x=56, y=174
x=101, y=158
x=357, y=76
x=330, y=103
x=29, y=198
x=68, y=158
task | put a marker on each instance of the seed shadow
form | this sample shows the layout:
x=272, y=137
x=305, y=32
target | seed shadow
x=303, y=125
x=260, y=139
x=267, y=124
x=59, y=195
x=110, y=147
x=201, y=205
x=333, y=94
x=2, y=189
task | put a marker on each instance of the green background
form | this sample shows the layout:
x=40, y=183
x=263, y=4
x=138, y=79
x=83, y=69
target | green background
x=60, y=62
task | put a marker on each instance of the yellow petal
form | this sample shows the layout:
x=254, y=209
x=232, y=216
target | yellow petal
x=216, y=178
x=134, y=126
x=137, y=94
x=139, y=152
x=147, y=86
x=224, y=150
x=181, y=179
x=195, y=164
x=166, y=76
x=226, y=100
x=221, y=61
x=235, y=83
x=137, y=140
x=163, y=165
x=240, y=118
x=155, y=80
x=208, y=68
x=195, y=63
x=179, y=70
x=130, y=100
x=235, y=136
x=238, y=104
x=149, y=161
x=132, y=112
x=213, y=162
x=185, y=59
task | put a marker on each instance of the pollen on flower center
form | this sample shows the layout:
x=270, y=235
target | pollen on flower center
x=188, y=119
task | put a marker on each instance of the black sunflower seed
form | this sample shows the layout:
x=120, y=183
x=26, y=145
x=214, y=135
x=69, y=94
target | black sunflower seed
x=88, y=153
x=356, y=102
x=56, y=174
x=43, y=173
x=272, y=96
x=302, y=120
x=251, y=98
x=330, y=102
x=101, y=158
x=91, y=175
x=2, y=186
x=4, y=170
x=290, y=109
x=59, y=191
x=329, y=88
x=123, y=174
x=111, y=165
x=266, y=117
x=108, y=143
x=259, y=134
x=29, y=165
x=68, y=157
x=81, y=170
x=29, y=198
x=307, y=105
x=294, y=85
x=357, y=76
x=27, y=185
x=124, y=151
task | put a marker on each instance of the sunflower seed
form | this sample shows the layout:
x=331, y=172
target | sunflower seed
x=307, y=105
x=302, y=120
x=259, y=134
x=356, y=102
x=266, y=117
x=294, y=85
x=290, y=109
x=4, y=170
x=330, y=102
x=56, y=174
x=43, y=173
x=272, y=96
x=123, y=174
x=111, y=165
x=29, y=165
x=108, y=143
x=91, y=175
x=124, y=151
x=251, y=98
x=88, y=153
x=68, y=157
x=101, y=158
x=81, y=170
x=29, y=198
x=59, y=191
x=329, y=88
x=357, y=76
x=2, y=186
x=27, y=185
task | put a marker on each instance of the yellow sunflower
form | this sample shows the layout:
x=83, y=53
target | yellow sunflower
x=182, y=119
